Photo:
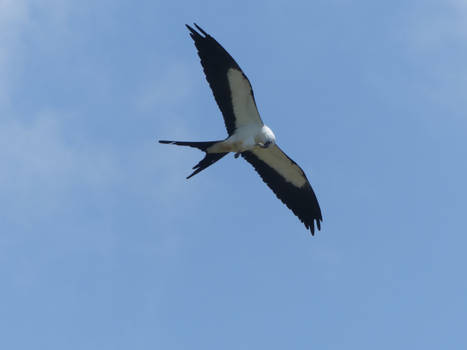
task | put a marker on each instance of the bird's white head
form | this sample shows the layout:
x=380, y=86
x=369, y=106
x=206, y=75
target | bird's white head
x=266, y=137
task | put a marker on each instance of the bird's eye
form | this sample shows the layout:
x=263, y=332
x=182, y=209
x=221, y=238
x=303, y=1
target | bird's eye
x=267, y=144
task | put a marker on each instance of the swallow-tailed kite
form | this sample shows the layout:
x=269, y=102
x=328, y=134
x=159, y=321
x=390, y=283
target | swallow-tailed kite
x=248, y=135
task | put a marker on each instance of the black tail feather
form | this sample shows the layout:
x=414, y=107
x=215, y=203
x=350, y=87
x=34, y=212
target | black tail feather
x=199, y=145
x=209, y=158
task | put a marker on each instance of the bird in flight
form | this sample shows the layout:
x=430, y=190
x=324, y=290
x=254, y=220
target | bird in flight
x=248, y=136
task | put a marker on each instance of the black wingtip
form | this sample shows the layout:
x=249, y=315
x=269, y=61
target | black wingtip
x=194, y=33
x=311, y=227
x=198, y=169
x=191, y=29
x=201, y=29
x=165, y=141
x=318, y=226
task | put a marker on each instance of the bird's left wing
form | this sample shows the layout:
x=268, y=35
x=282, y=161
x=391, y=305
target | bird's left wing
x=288, y=182
x=230, y=86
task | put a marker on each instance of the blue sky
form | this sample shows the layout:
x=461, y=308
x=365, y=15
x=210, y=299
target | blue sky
x=105, y=245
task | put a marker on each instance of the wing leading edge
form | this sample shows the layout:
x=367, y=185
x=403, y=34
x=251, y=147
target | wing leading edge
x=288, y=181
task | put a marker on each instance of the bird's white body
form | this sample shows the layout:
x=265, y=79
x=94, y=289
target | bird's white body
x=245, y=138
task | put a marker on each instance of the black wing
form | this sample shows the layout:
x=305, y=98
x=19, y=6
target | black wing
x=230, y=86
x=288, y=182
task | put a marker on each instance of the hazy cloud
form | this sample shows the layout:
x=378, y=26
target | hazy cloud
x=434, y=24
x=166, y=89
x=38, y=165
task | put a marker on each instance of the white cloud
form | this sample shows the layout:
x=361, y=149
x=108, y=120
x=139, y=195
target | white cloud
x=13, y=17
x=12, y=12
x=18, y=20
x=41, y=170
x=168, y=88
x=39, y=167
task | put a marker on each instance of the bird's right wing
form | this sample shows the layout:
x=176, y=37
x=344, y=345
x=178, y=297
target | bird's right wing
x=230, y=86
x=288, y=182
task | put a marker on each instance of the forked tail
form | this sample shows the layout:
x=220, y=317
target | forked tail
x=209, y=158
